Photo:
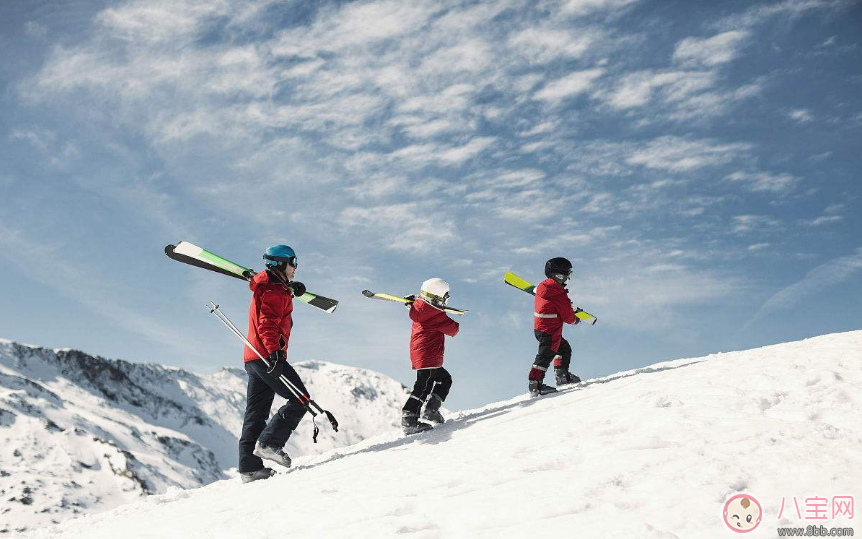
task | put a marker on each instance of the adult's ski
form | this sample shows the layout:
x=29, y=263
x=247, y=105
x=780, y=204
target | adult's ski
x=521, y=284
x=191, y=254
x=399, y=299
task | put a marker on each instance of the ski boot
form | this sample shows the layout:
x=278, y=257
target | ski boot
x=538, y=388
x=564, y=377
x=263, y=473
x=432, y=410
x=410, y=423
x=274, y=454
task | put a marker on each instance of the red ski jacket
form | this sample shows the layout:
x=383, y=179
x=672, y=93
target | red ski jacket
x=553, y=308
x=430, y=325
x=269, y=316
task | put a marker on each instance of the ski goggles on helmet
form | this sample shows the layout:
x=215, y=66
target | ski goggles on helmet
x=279, y=260
x=434, y=299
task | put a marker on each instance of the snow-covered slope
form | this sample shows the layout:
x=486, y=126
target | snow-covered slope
x=81, y=434
x=649, y=453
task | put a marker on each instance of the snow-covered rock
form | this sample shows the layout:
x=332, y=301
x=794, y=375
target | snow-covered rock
x=650, y=453
x=81, y=434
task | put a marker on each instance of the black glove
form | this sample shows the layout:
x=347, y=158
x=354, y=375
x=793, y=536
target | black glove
x=297, y=287
x=276, y=360
x=411, y=298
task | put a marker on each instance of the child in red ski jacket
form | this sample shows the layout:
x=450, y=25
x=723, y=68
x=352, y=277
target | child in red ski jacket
x=430, y=326
x=552, y=309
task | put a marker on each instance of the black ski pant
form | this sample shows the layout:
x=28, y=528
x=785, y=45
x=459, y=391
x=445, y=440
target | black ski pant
x=262, y=389
x=561, y=357
x=437, y=381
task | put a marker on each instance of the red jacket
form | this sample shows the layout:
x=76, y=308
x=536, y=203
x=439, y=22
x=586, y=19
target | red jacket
x=553, y=308
x=269, y=319
x=430, y=325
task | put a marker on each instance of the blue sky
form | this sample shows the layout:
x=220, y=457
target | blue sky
x=698, y=161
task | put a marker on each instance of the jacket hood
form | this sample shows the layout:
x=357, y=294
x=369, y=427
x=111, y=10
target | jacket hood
x=261, y=279
x=425, y=311
x=553, y=288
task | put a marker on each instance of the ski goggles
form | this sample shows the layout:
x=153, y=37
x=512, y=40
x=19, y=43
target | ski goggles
x=435, y=299
x=289, y=260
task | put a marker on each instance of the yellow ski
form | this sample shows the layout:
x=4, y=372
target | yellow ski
x=513, y=280
x=399, y=299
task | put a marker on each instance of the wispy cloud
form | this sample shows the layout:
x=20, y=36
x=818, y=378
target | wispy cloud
x=569, y=86
x=802, y=116
x=815, y=281
x=679, y=155
x=708, y=52
x=765, y=181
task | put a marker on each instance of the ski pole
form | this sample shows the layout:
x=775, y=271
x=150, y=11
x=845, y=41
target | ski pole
x=305, y=400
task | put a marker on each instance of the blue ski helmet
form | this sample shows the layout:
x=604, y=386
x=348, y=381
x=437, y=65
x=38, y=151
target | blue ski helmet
x=279, y=256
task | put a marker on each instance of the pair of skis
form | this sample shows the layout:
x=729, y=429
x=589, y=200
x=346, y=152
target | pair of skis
x=191, y=254
x=513, y=280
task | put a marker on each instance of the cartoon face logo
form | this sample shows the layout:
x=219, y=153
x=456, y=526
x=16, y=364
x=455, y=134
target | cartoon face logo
x=742, y=513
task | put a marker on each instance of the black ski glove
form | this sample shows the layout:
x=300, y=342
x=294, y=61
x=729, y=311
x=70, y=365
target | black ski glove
x=412, y=298
x=276, y=363
x=297, y=287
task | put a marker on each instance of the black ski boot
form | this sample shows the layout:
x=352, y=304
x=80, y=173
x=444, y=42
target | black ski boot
x=538, y=388
x=411, y=425
x=274, y=454
x=564, y=377
x=432, y=410
x=263, y=473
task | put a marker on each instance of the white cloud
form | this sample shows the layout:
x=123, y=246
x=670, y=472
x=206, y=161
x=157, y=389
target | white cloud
x=569, y=86
x=822, y=220
x=765, y=181
x=759, y=246
x=815, y=281
x=681, y=155
x=746, y=224
x=540, y=45
x=710, y=52
x=584, y=7
x=402, y=227
x=761, y=13
x=802, y=116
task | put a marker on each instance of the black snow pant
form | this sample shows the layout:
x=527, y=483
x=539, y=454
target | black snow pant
x=437, y=381
x=262, y=389
x=561, y=357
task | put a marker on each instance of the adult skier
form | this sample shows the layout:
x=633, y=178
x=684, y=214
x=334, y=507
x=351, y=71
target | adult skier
x=553, y=308
x=269, y=325
x=430, y=326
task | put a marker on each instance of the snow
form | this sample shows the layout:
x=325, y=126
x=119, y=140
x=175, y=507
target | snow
x=81, y=434
x=650, y=453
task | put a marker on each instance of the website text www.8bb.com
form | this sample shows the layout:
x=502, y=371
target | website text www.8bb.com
x=814, y=530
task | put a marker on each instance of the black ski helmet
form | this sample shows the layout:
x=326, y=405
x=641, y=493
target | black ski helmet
x=558, y=269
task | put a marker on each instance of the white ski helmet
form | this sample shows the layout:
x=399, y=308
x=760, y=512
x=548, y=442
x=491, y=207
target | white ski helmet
x=435, y=291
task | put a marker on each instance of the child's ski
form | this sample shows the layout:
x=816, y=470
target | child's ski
x=191, y=254
x=399, y=299
x=513, y=280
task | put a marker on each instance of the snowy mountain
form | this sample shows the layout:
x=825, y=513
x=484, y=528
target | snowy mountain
x=650, y=453
x=81, y=434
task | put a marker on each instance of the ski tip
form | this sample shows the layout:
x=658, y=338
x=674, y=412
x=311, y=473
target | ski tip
x=368, y=293
x=170, y=248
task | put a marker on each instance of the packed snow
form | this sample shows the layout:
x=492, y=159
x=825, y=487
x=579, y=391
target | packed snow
x=649, y=453
x=81, y=434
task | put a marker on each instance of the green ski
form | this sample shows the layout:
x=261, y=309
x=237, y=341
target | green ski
x=399, y=299
x=191, y=254
x=513, y=280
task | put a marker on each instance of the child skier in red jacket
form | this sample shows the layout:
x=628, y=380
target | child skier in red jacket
x=430, y=326
x=552, y=309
